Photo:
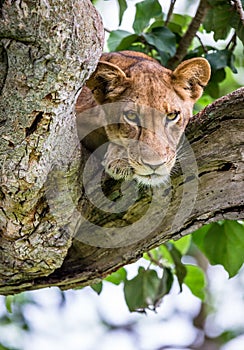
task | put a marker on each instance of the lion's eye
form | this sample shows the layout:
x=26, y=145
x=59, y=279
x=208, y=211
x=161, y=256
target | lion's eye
x=173, y=116
x=132, y=117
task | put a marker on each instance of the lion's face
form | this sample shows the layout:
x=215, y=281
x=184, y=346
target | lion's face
x=147, y=108
x=143, y=141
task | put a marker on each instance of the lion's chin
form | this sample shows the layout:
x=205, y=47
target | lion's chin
x=153, y=180
x=121, y=170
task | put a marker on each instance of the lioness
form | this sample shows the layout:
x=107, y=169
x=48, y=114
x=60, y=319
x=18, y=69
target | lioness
x=151, y=108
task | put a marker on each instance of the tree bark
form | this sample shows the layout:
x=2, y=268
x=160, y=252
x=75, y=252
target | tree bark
x=62, y=226
x=47, y=50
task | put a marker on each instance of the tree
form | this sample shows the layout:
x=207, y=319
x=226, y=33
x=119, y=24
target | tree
x=48, y=51
x=43, y=46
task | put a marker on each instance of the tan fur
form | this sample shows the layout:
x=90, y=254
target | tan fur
x=131, y=82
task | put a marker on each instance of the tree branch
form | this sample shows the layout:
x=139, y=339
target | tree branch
x=214, y=193
x=170, y=12
x=203, y=46
x=189, y=35
x=232, y=43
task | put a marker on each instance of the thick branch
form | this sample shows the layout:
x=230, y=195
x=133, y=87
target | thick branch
x=211, y=191
x=189, y=35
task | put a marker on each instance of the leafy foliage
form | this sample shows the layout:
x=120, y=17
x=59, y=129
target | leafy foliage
x=218, y=19
x=145, y=11
x=122, y=8
x=221, y=17
x=149, y=286
x=97, y=287
x=196, y=281
x=117, y=277
x=222, y=243
x=219, y=60
x=152, y=38
x=150, y=289
x=160, y=39
x=15, y=315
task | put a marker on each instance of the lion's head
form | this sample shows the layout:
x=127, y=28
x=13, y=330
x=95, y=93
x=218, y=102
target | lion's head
x=149, y=108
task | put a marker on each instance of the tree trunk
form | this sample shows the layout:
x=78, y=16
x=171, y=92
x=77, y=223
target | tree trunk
x=60, y=226
x=47, y=50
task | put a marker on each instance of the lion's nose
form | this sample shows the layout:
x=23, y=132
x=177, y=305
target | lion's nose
x=155, y=167
x=152, y=164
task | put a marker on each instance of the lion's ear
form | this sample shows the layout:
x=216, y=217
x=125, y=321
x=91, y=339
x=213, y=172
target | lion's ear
x=107, y=81
x=190, y=77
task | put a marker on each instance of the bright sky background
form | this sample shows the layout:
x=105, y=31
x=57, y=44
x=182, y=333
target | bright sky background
x=77, y=326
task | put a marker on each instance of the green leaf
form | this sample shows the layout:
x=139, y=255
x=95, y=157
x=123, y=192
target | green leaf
x=183, y=244
x=179, y=23
x=221, y=59
x=218, y=19
x=146, y=289
x=165, y=285
x=162, y=255
x=237, y=24
x=175, y=28
x=212, y=89
x=145, y=11
x=164, y=57
x=115, y=38
x=140, y=291
x=126, y=43
x=199, y=235
x=162, y=39
x=218, y=59
x=117, y=277
x=180, y=269
x=122, y=8
x=9, y=303
x=217, y=77
x=97, y=287
x=167, y=257
x=224, y=244
x=196, y=281
x=155, y=24
x=229, y=18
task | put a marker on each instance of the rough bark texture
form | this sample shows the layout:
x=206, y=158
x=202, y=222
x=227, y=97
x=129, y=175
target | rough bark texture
x=47, y=51
x=51, y=233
